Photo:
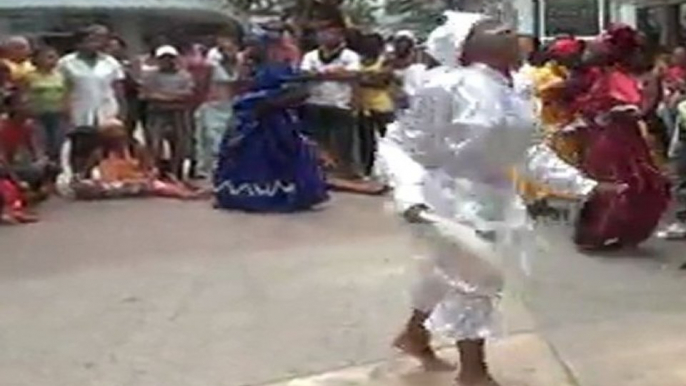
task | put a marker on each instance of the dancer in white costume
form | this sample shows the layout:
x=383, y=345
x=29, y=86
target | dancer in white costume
x=448, y=158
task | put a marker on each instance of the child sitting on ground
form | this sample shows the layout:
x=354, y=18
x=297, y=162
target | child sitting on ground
x=13, y=203
x=119, y=167
x=20, y=167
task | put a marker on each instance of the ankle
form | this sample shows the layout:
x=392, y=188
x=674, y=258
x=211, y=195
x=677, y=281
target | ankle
x=465, y=378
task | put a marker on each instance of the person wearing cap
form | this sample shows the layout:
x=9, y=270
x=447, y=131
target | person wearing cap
x=169, y=91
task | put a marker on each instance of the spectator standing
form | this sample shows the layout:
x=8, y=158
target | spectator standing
x=676, y=72
x=406, y=67
x=47, y=90
x=143, y=65
x=118, y=49
x=213, y=117
x=375, y=98
x=17, y=58
x=675, y=82
x=333, y=69
x=169, y=91
x=95, y=79
x=201, y=70
x=225, y=49
x=6, y=86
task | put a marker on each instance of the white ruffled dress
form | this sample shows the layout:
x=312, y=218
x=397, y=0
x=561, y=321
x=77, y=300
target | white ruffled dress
x=452, y=151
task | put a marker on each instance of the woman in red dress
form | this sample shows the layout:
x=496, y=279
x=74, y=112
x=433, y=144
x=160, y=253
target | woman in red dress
x=617, y=152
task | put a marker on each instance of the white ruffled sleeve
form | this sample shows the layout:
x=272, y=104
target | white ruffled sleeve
x=471, y=128
x=430, y=110
x=546, y=167
x=400, y=171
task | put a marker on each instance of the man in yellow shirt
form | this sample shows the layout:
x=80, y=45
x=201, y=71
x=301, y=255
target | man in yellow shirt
x=374, y=98
x=17, y=57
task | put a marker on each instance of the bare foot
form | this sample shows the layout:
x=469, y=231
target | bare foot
x=9, y=220
x=357, y=186
x=476, y=381
x=25, y=218
x=425, y=355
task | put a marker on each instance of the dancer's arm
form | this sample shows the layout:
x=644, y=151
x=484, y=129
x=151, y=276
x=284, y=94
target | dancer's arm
x=544, y=166
x=292, y=97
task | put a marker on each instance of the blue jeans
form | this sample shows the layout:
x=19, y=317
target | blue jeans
x=52, y=124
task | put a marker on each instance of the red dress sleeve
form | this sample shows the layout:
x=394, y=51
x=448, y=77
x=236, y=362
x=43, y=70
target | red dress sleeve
x=611, y=89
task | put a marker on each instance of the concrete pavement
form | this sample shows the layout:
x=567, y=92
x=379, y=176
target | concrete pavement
x=143, y=293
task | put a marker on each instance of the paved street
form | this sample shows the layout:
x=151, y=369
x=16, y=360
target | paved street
x=148, y=293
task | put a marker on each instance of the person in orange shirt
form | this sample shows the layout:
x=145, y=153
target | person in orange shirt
x=124, y=169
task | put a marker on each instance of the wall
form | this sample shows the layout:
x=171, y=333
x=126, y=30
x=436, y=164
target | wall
x=128, y=27
x=623, y=11
x=526, y=16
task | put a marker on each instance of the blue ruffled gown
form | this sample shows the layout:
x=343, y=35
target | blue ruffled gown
x=266, y=164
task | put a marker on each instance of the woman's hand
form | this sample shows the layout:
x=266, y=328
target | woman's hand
x=610, y=187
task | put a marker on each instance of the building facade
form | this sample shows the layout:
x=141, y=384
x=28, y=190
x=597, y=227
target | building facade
x=663, y=20
x=133, y=20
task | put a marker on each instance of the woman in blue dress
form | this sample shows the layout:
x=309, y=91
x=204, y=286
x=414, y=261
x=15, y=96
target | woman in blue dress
x=266, y=164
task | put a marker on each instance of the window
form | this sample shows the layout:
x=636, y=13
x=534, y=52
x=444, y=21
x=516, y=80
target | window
x=576, y=17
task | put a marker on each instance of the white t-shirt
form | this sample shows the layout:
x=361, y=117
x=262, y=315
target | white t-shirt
x=214, y=55
x=334, y=94
x=93, y=98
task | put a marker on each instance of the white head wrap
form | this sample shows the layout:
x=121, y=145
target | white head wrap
x=445, y=43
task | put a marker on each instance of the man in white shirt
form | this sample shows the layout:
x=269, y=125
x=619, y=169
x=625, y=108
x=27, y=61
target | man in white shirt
x=95, y=79
x=329, y=117
x=226, y=49
x=96, y=92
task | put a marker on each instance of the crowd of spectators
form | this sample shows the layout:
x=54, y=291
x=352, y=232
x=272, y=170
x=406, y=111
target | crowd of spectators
x=173, y=104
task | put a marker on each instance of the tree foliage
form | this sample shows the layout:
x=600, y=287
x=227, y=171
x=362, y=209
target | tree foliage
x=423, y=15
x=360, y=12
x=420, y=15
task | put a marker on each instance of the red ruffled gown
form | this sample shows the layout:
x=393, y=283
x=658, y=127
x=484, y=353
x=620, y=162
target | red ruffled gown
x=615, y=151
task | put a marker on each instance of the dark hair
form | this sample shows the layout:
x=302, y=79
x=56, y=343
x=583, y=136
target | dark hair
x=537, y=56
x=371, y=45
x=42, y=50
x=83, y=33
x=119, y=40
x=403, y=38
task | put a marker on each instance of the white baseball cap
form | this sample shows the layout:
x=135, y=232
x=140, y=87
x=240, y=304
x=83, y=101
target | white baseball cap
x=406, y=34
x=166, y=51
